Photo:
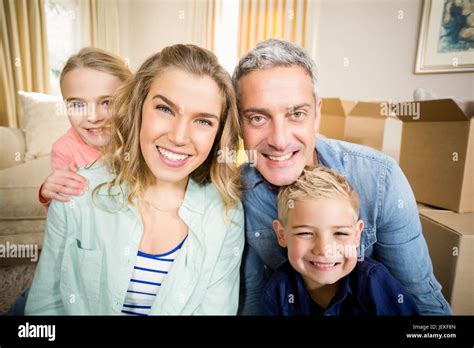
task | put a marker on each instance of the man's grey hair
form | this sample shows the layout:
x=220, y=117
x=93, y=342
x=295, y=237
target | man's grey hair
x=276, y=53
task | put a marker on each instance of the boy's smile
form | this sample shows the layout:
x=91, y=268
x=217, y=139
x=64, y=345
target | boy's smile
x=321, y=236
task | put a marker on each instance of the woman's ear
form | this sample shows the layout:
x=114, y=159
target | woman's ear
x=280, y=232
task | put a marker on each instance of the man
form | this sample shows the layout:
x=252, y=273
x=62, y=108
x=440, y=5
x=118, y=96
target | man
x=276, y=86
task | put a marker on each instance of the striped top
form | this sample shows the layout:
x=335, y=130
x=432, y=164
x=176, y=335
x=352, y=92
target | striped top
x=147, y=277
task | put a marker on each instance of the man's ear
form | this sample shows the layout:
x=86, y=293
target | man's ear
x=317, y=114
x=280, y=232
x=359, y=229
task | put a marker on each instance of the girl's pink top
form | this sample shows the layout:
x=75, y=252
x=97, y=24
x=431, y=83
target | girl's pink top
x=70, y=148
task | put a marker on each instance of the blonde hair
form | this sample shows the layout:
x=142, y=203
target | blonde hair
x=125, y=126
x=315, y=183
x=96, y=59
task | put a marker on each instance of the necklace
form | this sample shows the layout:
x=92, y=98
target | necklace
x=164, y=210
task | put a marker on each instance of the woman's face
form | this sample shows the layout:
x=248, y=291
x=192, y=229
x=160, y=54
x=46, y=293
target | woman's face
x=88, y=94
x=180, y=119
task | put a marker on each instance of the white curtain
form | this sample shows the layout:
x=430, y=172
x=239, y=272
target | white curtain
x=23, y=55
x=99, y=24
x=201, y=24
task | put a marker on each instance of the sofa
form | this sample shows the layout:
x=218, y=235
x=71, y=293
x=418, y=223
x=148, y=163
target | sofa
x=24, y=164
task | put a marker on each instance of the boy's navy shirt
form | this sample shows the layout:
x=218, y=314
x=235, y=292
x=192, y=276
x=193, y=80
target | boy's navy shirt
x=369, y=289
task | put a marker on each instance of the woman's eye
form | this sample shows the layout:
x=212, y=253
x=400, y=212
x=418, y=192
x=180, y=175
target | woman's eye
x=204, y=122
x=106, y=103
x=164, y=109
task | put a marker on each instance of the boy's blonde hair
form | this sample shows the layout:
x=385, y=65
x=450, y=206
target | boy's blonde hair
x=123, y=155
x=97, y=59
x=315, y=183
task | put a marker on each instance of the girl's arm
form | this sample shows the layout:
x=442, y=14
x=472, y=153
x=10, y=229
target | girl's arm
x=64, y=179
x=222, y=295
x=65, y=182
x=45, y=297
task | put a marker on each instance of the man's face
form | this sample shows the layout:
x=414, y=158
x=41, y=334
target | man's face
x=280, y=121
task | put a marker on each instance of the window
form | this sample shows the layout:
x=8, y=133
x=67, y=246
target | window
x=62, y=26
x=226, y=34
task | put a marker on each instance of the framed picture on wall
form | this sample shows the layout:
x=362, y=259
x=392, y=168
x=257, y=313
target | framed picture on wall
x=446, y=40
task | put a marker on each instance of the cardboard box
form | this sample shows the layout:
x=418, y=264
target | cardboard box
x=450, y=239
x=373, y=124
x=333, y=117
x=437, y=154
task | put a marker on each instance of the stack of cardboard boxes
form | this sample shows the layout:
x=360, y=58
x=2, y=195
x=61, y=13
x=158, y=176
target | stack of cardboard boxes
x=433, y=141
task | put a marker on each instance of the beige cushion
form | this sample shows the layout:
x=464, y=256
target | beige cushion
x=19, y=186
x=44, y=121
x=12, y=143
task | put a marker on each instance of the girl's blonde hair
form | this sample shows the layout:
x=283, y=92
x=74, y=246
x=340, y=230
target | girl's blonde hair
x=315, y=183
x=122, y=154
x=97, y=59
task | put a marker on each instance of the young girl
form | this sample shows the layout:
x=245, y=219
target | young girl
x=161, y=229
x=88, y=81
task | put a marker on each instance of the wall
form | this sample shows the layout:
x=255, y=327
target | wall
x=380, y=48
x=146, y=26
x=381, y=52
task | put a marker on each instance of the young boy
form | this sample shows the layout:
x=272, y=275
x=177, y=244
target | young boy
x=318, y=224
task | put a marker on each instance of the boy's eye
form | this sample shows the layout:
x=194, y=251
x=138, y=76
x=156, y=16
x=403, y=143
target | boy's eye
x=305, y=234
x=341, y=233
x=204, y=122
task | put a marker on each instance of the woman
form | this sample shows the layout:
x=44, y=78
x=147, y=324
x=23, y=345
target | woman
x=160, y=231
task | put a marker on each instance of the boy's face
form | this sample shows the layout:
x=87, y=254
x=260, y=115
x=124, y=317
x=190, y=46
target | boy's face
x=321, y=236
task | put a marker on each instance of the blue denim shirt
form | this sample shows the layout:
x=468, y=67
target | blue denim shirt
x=368, y=290
x=392, y=232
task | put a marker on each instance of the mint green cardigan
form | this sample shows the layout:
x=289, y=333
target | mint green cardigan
x=89, y=253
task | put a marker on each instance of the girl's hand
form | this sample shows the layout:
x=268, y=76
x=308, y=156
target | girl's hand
x=64, y=182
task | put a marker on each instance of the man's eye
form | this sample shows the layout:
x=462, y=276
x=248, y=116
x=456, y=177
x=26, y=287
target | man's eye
x=257, y=119
x=298, y=115
x=204, y=122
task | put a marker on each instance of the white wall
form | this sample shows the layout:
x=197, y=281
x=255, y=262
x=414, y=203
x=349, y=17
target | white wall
x=146, y=26
x=380, y=48
x=381, y=51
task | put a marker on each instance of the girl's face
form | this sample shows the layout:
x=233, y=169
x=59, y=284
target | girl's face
x=180, y=120
x=88, y=95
